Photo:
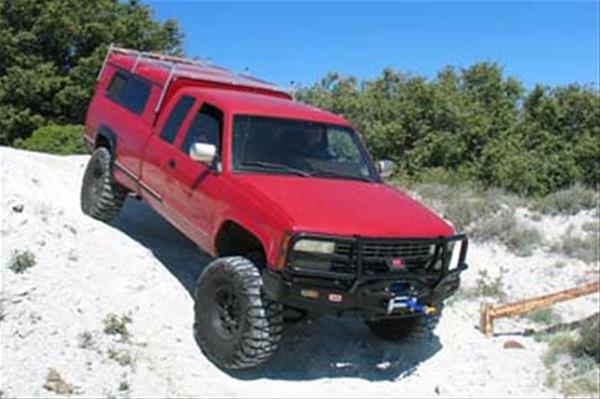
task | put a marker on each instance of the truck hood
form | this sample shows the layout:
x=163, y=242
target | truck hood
x=345, y=207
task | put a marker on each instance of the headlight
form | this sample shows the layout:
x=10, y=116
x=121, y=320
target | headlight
x=316, y=246
x=311, y=254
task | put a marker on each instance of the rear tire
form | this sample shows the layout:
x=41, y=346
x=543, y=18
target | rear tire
x=236, y=325
x=416, y=327
x=101, y=197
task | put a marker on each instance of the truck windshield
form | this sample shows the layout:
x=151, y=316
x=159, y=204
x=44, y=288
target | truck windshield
x=285, y=146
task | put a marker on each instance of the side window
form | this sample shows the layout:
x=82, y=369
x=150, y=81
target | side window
x=136, y=95
x=116, y=87
x=128, y=91
x=205, y=128
x=178, y=113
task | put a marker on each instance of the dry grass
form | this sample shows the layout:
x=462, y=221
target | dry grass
x=546, y=316
x=586, y=248
x=55, y=383
x=462, y=205
x=115, y=325
x=123, y=357
x=569, y=201
x=572, y=361
x=487, y=286
x=504, y=228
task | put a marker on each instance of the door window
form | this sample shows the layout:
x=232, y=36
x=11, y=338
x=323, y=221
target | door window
x=206, y=128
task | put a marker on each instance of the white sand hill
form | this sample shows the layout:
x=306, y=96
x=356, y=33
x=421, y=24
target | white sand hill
x=51, y=316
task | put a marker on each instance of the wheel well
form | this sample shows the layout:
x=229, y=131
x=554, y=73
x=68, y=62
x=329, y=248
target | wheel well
x=103, y=141
x=233, y=239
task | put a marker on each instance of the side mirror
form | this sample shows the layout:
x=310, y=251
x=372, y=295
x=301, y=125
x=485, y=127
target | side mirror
x=385, y=167
x=202, y=152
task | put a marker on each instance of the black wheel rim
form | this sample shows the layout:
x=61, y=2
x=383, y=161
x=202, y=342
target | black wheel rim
x=226, y=312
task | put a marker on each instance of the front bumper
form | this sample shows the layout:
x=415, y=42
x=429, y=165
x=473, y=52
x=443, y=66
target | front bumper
x=364, y=293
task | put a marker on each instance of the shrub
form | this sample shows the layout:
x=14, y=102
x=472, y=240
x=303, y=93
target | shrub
x=21, y=261
x=584, y=248
x=115, y=325
x=86, y=340
x=461, y=204
x=569, y=201
x=504, y=228
x=488, y=287
x=591, y=227
x=123, y=386
x=545, y=316
x=55, y=139
x=573, y=360
x=55, y=383
x=588, y=342
x=124, y=358
x=524, y=240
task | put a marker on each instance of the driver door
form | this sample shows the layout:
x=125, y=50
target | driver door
x=194, y=186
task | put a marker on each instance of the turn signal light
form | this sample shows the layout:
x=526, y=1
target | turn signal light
x=314, y=294
x=281, y=257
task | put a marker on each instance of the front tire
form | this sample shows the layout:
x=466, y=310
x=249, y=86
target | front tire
x=236, y=325
x=101, y=197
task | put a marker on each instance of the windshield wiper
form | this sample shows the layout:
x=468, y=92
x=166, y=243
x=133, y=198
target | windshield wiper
x=330, y=173
x=278, y=166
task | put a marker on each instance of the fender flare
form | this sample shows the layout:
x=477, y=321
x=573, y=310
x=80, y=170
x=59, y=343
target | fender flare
x=105, y=132
x=262, y=235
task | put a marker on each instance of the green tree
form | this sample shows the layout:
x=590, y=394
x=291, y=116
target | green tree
x=51, y=51
x=475, y=123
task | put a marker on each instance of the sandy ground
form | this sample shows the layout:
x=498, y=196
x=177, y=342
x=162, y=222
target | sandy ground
x=139, y=265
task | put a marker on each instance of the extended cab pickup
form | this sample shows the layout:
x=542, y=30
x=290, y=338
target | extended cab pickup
x=283, y=195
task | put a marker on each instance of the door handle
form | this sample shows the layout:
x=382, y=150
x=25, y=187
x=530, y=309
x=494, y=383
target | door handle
x=172, y=163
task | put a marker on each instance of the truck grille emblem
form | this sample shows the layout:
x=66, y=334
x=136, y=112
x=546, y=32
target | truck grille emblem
x=396, y=264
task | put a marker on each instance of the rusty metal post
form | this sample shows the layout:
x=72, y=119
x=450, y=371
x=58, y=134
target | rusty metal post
x=489, y=313
x=486, y=323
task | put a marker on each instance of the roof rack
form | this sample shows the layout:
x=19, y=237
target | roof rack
x=195, y=69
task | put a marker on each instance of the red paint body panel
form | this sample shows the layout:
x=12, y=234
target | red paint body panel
x=199, y=200
x=346, y=207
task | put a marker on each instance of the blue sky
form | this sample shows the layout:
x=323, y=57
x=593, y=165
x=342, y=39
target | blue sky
x=547, y=42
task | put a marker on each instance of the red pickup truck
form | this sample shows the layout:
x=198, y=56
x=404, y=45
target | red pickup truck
x=283, y=195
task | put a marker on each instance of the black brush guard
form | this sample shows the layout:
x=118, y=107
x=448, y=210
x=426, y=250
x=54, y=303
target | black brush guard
x=363, y=291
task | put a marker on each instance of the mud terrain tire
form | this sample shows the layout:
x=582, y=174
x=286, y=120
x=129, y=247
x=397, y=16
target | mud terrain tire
x=101, y=197
x=236, y=325
x=409, y=328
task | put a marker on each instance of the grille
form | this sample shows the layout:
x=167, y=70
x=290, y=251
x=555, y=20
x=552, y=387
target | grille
x=375, y=255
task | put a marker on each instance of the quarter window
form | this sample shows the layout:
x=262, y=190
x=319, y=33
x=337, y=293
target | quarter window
x=178, y=113
x=128, y=91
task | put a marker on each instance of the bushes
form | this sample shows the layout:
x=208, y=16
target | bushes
x=475, y=122
x=573, y=360
x=586, y=248
x=588, y=342
x=460, y=203
x=504, y=227
x=55, y=139
x=568, y=201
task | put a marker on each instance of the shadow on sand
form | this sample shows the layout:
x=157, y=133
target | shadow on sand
x=326, y=347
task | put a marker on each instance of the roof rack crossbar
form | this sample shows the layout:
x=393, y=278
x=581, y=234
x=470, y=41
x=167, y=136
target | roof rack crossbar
x=195, y=69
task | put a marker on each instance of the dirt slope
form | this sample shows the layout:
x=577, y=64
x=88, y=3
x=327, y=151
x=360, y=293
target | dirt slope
x=51, y=316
